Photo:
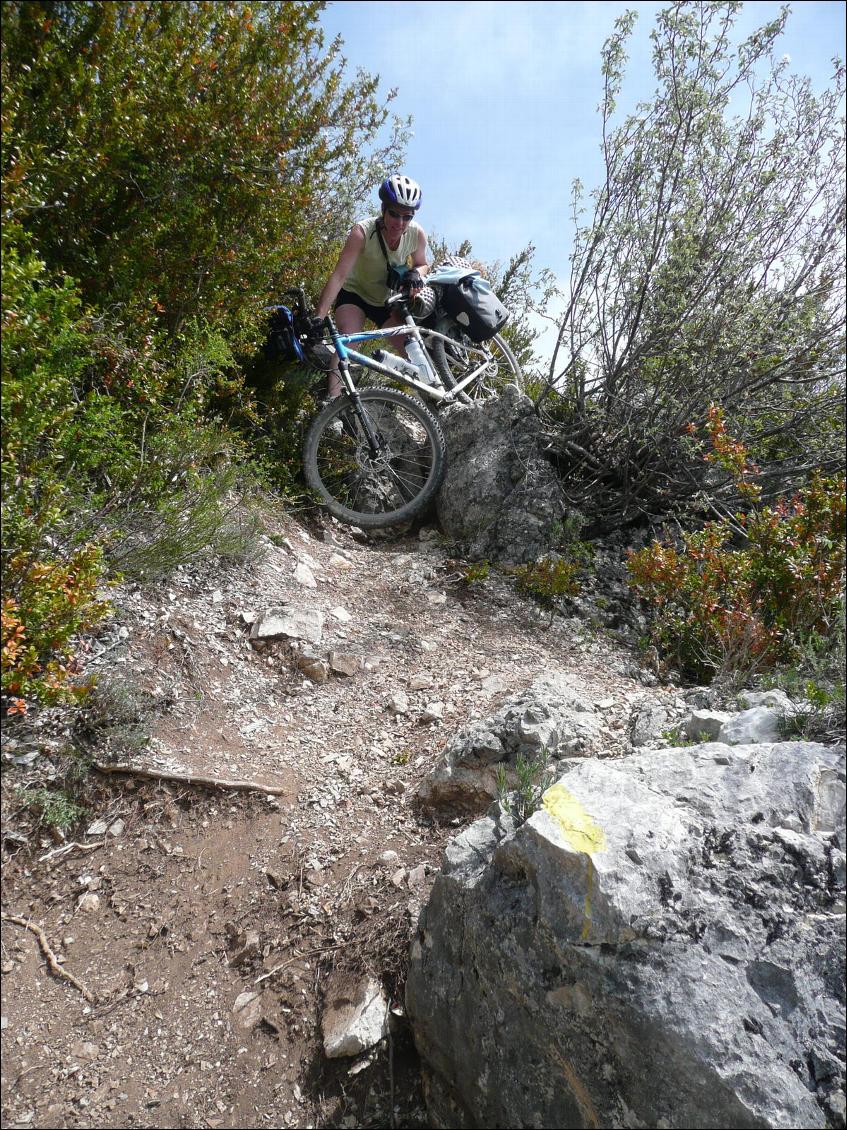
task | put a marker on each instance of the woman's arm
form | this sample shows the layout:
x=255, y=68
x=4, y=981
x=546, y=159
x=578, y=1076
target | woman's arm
x=419, y=262
x=349, y=254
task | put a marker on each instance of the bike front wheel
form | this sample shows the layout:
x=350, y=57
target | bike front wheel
x=458, y=358
x=379, y=483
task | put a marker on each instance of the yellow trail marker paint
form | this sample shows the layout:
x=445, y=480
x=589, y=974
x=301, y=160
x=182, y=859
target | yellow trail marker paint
x=581, y=833
x=577, y=825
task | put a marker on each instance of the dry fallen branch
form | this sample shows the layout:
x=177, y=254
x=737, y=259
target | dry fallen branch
x=55, y=967
x=192, y=779
x=298, y=957
x=66, y=848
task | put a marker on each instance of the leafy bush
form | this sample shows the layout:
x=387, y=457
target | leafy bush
x=114, y=720
x=746, y=594
x=180, y=159
x=54, y=808
x=190, y=499
x=557, y=575
x=48, y=603
x=708, y=266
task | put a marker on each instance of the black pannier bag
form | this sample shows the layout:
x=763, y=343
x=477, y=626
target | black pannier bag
x=474, y=306
x=282, y=346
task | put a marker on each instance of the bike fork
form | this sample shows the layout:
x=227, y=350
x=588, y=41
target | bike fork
x=375, y=442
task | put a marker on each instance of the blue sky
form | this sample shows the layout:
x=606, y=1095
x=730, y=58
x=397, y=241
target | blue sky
x=504, y=99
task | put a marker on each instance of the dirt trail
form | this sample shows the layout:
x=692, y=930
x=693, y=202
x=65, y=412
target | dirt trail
x=205, y=921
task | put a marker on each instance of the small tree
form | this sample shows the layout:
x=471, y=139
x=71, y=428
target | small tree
x=181, y=160
x=711, y=271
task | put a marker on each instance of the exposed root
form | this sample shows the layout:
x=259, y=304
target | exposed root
x=193, y=779
x=54, y=966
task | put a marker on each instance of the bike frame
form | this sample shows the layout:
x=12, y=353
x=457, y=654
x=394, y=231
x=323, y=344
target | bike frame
x=410, y=329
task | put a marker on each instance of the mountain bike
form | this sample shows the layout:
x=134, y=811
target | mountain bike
x=375, y=456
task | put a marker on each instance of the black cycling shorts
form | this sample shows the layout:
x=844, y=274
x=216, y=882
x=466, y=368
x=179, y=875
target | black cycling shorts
x=379, y=315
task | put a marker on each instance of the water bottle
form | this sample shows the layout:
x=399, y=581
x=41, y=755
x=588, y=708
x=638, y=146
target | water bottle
x=416, y=354
x=392, y=361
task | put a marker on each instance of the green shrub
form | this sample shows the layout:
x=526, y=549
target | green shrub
x=724, y=607
x=532, y=781
x=54, y=808
x=47, y=603
x=559, y=575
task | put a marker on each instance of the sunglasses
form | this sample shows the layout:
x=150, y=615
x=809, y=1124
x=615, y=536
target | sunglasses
x=404, y=216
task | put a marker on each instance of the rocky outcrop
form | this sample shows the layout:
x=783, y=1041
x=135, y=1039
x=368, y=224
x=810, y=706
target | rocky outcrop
x=661, y=944
x=501, y=499
x=545, y=722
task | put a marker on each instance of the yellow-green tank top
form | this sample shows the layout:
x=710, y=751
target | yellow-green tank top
x=367, y=279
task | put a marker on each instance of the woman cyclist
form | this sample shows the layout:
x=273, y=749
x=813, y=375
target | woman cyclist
x=358, y=287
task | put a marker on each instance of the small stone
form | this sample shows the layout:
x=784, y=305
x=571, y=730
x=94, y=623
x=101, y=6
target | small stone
x=98, y=828
x=432, y=712
x=417, y=876
x=247, y=1010
x=293, y=623
x=339, y=561
x=389, y=857
x=341, y=614
x=117, y=829
x=436, y=597
x=355, y=1017
x=85, y=1050
x=89, y=903
x=398, y=703
x=343, y=664
x=398, y=877
x=494, y=684
x=313, y=666
x=247, y=946
x=420, y=681
x=304, y=576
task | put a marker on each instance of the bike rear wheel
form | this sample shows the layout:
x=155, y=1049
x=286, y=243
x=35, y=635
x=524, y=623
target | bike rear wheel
x=382, y=487
x=456, y=359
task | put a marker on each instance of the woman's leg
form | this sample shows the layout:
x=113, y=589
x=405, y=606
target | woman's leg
x=350, y=320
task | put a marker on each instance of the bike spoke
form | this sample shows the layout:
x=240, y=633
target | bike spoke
x=376, y=481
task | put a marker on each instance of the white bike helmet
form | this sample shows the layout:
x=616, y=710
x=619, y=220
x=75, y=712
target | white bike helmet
x=401, y=190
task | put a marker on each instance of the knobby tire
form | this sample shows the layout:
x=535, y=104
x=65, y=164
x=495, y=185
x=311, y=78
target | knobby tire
x=370, y=491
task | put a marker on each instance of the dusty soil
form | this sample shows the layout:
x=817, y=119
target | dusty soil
x=202, y=922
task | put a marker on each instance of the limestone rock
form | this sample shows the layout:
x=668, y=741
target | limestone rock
x=343, y=664
x=398, y=702
x=758, y=724
x=501, y=499
x=289, y=622
x=355, y=1016
x=661, y=944
x=304, y=576
x=547, y=721
x=432, y=712
x=704, y=725
x=648, y=724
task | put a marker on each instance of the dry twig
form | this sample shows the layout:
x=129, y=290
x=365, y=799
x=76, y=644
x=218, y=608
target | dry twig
x=65, y=848
x=53, y=964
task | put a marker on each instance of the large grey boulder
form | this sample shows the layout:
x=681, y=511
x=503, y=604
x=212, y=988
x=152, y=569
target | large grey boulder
x=501, y=499
x=661, y=945
x=546, y=721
